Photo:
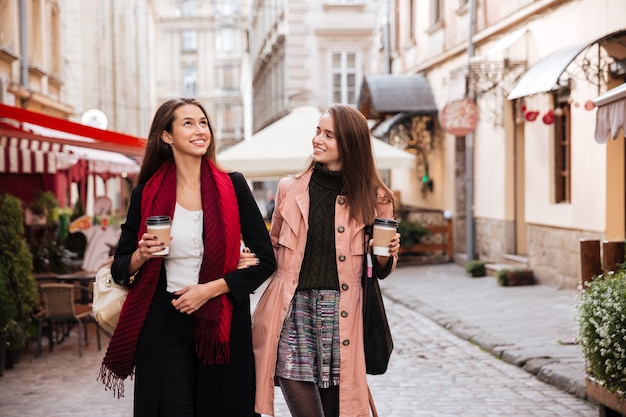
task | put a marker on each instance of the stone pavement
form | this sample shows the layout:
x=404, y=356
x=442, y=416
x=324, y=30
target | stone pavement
x=432, y=372
x=529, y=326
x=60, y=384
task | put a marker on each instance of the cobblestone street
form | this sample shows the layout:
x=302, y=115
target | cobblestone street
x=435, y=373
x=432, y=373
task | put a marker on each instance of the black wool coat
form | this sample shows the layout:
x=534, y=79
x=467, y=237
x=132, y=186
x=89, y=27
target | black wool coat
x=231, y=391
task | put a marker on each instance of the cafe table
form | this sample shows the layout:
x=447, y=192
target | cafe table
x=84, y=280
x=41, y=277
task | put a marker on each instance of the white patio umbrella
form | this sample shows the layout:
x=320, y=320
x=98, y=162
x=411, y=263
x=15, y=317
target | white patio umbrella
x=284, y=148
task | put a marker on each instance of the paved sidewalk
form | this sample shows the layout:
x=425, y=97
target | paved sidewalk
x=529, y=326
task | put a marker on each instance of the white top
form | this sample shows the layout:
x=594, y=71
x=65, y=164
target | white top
x=182, y=265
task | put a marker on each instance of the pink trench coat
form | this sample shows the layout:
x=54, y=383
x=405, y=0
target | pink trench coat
x=288, y=234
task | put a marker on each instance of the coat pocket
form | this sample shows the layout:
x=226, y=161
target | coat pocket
x=287, y=237
x=357, y=244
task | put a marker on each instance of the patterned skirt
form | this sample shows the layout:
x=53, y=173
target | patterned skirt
x=308, y=349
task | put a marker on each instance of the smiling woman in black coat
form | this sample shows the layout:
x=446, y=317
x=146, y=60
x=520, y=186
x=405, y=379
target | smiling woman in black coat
x=185, y=328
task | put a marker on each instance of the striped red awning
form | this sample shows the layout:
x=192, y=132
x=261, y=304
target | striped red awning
x=24, y=156
x=58, y=130
x=27, y=156
x=34, y=143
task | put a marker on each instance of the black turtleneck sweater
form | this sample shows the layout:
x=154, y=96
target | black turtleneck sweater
x=319, y=266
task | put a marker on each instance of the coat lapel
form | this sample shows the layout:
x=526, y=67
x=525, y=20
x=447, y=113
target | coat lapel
x=299, y=192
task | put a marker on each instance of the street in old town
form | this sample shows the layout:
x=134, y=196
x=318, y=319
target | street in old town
x=463, y=347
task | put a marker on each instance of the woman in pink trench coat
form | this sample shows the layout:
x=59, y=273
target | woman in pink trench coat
x=290, y=225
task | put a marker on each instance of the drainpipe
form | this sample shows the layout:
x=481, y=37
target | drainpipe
x=469, y=144
x=23, y=45
x=386, y=41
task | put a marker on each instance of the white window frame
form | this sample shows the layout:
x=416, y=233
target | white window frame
x=344, y=72
x=190, y=80
x=226, y=40
x=189, y=7
x=190, y=40
x=228, y=76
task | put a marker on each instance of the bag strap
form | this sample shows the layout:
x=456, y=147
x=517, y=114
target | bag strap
x=372, y=405
x=368, y=257
x=367, y=254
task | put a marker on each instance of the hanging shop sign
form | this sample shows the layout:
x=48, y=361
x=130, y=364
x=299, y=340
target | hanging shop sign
x=459, y=117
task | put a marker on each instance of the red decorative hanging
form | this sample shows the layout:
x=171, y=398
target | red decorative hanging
x=531, y=115
x=548, y=118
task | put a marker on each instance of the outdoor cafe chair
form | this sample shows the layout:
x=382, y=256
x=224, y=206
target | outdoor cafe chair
x=60, y=309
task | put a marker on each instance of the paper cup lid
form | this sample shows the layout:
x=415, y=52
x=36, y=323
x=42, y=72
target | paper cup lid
x=385, y=222
x=154, y=220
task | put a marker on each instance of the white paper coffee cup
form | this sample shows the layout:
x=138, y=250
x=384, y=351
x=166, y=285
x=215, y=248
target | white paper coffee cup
x=160, y=226
x=383, y=231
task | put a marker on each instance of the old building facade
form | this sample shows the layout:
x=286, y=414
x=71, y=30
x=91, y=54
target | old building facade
x=66, y=59
x=539, y=181
x=309, y=54
x=200, y=50
x=63, y=57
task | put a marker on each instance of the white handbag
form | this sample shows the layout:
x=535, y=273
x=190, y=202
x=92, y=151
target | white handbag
x=108, y=299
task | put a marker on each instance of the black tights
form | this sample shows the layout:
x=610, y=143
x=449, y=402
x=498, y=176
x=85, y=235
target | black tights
x=305, y=399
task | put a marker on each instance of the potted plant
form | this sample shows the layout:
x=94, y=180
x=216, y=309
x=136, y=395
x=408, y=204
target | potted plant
x=18, y=289
x=43, y=206
x=16, y=337
x=411, y=232
x=513, y=277
x=476, y=268
x=601, y=333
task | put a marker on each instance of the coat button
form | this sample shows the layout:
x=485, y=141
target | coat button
x=341, y=229
x=342, y=258
x=344, y=314
x=344, y=287
x=342, y=200
x=346, y=342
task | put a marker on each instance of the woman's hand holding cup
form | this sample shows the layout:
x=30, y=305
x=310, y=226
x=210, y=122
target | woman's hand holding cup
x=385, y=240
x=149, y=247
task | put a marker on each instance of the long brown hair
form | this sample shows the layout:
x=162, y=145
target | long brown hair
x=361, y=180
x=157, y=151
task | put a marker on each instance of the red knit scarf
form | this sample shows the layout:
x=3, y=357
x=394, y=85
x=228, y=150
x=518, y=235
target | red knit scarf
x=221, y=254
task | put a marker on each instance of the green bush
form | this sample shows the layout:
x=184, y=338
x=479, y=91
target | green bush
x=514, y=277
x=411, y=232
x=16, y=335
x=18, y=289
x=502, y=278
x=44, y=204
x=476, y=268
x=601, y=330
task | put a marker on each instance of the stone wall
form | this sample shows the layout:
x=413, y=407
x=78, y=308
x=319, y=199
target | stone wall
x=494, y=238
x=554, y=254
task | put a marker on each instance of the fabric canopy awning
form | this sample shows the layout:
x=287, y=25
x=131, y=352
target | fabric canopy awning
x=611, y=114
x=284, y=148
x=55, y=130
x=22, y=156
x=22, y=152
x=551, y=72
x=544, y=75
x=382, y=129
x=385, y=94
